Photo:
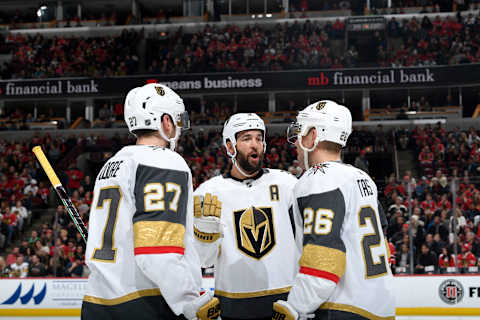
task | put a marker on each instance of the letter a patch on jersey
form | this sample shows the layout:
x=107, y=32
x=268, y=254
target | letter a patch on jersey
x=254, y=231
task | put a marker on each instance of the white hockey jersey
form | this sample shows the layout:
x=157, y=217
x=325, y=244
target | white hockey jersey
x=344, y=263
x=257, y=259
x=141, y=231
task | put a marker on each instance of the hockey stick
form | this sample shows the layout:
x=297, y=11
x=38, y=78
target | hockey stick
x=57, y=185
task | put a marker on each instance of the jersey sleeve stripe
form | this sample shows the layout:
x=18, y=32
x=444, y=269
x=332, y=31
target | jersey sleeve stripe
x=158, y=250
x=324, y=259
x=158, y=234
x=320, y=274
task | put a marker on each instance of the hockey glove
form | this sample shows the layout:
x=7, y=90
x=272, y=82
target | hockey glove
x=282, y=310
x=207, y=226
x=205, y=307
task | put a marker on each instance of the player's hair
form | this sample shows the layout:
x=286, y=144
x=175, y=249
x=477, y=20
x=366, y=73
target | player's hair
x=147, y=132
x=141, y=133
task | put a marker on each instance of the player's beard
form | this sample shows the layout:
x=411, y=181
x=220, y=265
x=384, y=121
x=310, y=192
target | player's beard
x=248, y=167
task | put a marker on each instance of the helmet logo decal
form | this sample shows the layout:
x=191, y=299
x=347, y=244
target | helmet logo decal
x=160, y=91
x=321, y=105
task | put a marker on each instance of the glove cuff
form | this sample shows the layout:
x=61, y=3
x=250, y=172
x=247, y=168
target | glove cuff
x=204, y=236
x=282, y=310
x=205, y=307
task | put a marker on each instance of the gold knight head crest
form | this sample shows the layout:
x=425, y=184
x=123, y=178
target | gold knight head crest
x=160, y=91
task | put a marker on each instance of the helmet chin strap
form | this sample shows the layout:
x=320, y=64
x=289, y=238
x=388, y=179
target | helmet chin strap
x=306, y=151
x=234, y=160
x=171, y=141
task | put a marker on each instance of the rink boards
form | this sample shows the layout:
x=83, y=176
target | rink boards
x=418, y=297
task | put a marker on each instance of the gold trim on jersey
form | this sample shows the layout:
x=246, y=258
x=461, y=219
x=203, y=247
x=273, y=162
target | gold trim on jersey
x=323, y=258
x=204, y=236
x=158, y=233
x=123, y=299
x=352, y=309
x=254, y=294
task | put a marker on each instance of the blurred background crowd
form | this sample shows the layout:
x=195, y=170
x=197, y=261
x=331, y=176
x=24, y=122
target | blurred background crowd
x=38, y=246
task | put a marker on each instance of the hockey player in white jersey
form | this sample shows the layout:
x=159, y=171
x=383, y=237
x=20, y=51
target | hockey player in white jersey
x=256, y=258
x=140, y=248
x=344, y=272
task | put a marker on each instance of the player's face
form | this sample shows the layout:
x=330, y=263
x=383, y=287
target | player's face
x=250, y=150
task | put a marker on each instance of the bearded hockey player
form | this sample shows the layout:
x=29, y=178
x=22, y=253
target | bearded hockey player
x=140, y=247
x=344, y=272
x=244, y=225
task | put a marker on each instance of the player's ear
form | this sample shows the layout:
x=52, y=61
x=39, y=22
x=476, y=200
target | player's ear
x=229, y=147
x=167, y=125
x=314, y=134
x=309, y=139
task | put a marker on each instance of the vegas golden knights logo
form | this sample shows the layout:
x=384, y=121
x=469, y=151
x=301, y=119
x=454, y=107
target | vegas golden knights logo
x=160, y=91
x=254, y=231
x=321, y=105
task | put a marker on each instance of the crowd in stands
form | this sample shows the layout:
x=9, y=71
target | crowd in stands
x=428, y=41
x=452, y=153
x=39, y=57
x=252, y=48
x=432, y=223
x=49, y=248
x=17, y=119
x=58, y=249
x=231, y=48
x=308, y=46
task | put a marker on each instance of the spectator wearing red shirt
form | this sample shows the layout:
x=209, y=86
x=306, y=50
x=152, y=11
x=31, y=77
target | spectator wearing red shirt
x=5, y=185
x=43, y=192
x=70, y=250
x=444, y=202
x=75, y=177
x=58, y=245
x=469, y=259
x=465, y=201
x=10, y=219
x=429, y=203
x=273, y=156
x=426, y=156
x=446, y=260
x=12, y=257
x=393, y=253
